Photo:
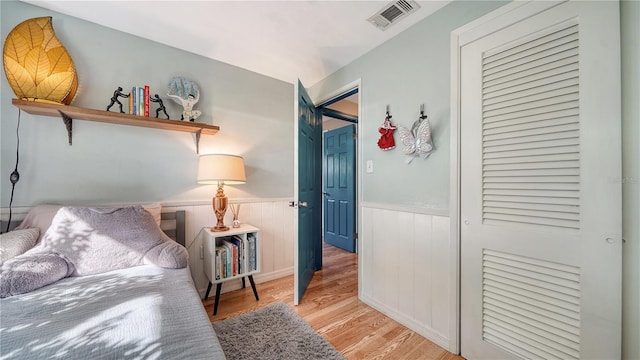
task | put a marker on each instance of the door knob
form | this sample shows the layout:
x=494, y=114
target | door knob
x=325, y=193
x=299, y=204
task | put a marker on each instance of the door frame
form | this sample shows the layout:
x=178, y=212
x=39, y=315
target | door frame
x=322, y=98
x=461, y=36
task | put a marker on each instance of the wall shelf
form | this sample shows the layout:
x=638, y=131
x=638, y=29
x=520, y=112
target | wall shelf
x=68, y=113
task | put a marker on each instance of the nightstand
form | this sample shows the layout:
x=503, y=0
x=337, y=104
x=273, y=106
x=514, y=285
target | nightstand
x=231, y=254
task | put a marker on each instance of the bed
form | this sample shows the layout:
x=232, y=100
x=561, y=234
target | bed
x=137, y=312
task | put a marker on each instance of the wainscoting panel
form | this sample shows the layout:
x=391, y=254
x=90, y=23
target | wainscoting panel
x=405, y=269
x=273, y=218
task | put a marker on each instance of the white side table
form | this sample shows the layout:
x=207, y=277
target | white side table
x=231, y=254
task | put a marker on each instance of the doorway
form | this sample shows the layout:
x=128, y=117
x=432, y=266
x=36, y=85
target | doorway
x=339, y=121
x=308, y=220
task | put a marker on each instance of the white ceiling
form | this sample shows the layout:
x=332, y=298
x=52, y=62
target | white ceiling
x=286, y=40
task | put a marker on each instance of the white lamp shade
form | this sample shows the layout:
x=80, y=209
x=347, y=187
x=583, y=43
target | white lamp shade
x=221, y=168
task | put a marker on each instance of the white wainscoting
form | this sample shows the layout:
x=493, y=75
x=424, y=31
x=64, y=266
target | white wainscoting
x=405, y=268
x=274, y=218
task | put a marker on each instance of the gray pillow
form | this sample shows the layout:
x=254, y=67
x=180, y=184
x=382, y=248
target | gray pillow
x=39, y=217
x=85, y=241
x=17, y=242
x=97, y=240
x=31, y=271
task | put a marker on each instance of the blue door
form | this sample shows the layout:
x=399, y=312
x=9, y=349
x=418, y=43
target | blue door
x=339, y=187
x=309, y=254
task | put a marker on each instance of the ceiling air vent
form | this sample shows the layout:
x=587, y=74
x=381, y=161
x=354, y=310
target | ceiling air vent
x=392, y=12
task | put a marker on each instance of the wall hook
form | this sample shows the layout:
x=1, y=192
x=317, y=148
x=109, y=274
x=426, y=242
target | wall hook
x=388, y=116
x=422, y=115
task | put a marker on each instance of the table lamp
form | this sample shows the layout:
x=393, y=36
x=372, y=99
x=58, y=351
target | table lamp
x=221, y=169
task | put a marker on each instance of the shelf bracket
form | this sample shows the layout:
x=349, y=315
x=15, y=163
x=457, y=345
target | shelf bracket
x=197, y=134
x=68, y=123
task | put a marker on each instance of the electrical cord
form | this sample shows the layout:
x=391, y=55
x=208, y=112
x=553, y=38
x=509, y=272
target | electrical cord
x=15, y=175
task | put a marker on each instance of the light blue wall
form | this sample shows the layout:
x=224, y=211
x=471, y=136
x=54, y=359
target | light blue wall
x=414, y=68
x=115, y=164
x=411, y=69
x=630, y=37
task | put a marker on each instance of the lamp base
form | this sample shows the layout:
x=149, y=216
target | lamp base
x=219, y=203
x=218, y=229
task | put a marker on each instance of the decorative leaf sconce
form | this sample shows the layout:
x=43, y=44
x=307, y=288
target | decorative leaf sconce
x=37, y=65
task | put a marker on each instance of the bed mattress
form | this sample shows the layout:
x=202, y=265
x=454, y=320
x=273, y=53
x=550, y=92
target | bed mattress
x=142, y=312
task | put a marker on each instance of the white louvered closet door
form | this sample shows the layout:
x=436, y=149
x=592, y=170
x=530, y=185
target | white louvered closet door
x=540, y=187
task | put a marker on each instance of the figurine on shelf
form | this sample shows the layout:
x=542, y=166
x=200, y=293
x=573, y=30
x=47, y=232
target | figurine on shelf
x=161, y=107
x=114, y=99
x=186, y=93
x=187, y=106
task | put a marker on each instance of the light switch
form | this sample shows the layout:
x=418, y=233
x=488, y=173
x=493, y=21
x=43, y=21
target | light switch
x=369, y=166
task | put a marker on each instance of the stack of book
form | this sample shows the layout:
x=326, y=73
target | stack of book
x=139, y=100
x=230, y=257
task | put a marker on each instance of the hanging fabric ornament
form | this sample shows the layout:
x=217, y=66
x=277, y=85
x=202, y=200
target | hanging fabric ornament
x=417, y=141
x=386, y=141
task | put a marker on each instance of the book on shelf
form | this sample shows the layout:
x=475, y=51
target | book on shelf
x=235, y=255
x=228, y=259
x=139, y=100
x=237, y=243
x=130, y=103
x=146, y=100
x=134, y=100
x=251, y=239
x=218, y=263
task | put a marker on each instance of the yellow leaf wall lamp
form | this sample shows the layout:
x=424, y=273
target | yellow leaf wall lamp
x=37, y=65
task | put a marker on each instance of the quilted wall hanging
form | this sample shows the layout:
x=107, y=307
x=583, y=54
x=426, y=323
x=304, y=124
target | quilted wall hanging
x=37, y=65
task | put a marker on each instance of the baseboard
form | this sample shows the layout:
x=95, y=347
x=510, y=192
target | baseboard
x=421, y=329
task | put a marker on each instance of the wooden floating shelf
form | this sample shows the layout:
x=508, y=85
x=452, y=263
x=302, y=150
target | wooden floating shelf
x=73, y=112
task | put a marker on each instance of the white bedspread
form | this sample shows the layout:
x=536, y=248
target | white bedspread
x=143, y=312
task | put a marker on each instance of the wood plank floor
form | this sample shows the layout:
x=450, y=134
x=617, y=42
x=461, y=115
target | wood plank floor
x=332, y=308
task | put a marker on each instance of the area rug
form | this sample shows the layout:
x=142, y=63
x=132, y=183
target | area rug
x=273, y=332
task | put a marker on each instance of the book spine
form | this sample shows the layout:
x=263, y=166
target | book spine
x=228, y=259
x=146, y=100
x=217, y=264
x=252, y=252
x=140, y=101
x=130, y=104
x=224, y=263
x=134, y=96
x=229, y=262
x=245, y=258
x=237, y=241
x=235, y=261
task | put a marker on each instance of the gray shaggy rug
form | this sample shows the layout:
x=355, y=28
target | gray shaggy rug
x=273, y=332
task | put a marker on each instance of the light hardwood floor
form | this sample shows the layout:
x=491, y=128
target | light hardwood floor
x=331, y=306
